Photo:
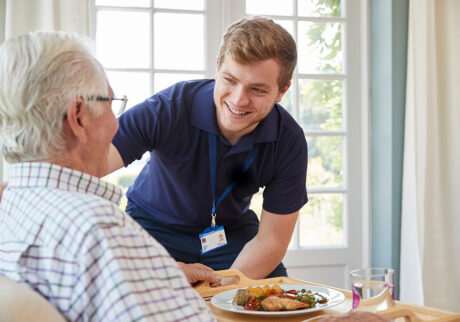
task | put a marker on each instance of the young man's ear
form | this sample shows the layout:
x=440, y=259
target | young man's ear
x=217, y=68
x=75, y=119
x=282, y=92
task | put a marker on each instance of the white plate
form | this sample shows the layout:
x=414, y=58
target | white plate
x=224, y=300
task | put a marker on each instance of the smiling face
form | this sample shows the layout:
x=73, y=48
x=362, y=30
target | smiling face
x=244, y=95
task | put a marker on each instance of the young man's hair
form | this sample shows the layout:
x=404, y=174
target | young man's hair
x=252, y=39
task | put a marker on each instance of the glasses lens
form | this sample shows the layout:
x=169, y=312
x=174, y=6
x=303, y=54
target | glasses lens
x=118, y=106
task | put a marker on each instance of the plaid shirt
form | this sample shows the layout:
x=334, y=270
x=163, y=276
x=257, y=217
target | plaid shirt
x=62, y=233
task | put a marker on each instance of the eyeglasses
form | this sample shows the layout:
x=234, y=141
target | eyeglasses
x=118, y=104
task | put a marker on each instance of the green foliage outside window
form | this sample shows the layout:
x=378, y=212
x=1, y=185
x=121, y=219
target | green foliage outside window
x=321, y=109
x=125, y=181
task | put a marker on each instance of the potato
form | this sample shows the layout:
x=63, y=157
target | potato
x=277, y=289
x=267, y=290
x=255, y=291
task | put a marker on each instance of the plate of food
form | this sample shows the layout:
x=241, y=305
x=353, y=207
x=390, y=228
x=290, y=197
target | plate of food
x=276, y=300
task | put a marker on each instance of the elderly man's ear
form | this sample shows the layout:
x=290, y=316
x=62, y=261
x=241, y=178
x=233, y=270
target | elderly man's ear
x=3, y=185
x=77, y=118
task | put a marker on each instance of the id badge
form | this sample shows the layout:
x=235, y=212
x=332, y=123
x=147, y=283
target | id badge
x=212, y=238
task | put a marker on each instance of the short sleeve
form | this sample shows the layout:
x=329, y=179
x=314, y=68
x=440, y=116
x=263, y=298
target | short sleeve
x=141, y=128
x=287, y=192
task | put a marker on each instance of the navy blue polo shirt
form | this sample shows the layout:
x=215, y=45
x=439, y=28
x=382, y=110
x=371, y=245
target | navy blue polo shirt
x=174, y=186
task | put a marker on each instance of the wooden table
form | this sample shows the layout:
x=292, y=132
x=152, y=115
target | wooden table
x=401, y=311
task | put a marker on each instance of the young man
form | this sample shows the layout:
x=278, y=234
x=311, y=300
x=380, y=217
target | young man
x=213, y=144
x=61, y=231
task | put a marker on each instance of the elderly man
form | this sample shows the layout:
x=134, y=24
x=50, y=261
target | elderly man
x=61, y=231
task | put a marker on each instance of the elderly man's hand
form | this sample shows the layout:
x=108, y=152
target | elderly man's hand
x=198, y=272
x=2, y=187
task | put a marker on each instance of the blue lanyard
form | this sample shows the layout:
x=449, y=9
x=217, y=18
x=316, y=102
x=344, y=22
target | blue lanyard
x=212, y=168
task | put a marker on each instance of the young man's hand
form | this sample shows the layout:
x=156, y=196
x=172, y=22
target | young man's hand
x=198, y=272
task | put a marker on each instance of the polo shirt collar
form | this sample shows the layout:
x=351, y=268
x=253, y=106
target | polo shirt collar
x=203, y=116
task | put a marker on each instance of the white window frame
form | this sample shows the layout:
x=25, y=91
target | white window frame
x=214, y=27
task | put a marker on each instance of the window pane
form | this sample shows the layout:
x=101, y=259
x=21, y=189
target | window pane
x=269, y=7
x=321, y=221
x=325, y=167
x=320, y=47
x=320, y=104
x=286, y=102
x=123, y=39
x=316, y=8
x=287, y=24
x=125, y=177
x=123, y=3
x=163, y=80
x=177, y=47
x=256, y=203
x=180, y=4
x=135, y=85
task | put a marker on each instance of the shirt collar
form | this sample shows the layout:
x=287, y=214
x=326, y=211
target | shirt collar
x=46, y=175
x=203, y=116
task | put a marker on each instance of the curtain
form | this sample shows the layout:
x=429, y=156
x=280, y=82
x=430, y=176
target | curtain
x=2, y=20
x=21, y=16
x=27, y=15
x=2, y=37
x=430, y=236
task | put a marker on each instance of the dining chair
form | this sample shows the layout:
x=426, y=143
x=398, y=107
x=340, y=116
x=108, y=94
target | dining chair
x=19, y=303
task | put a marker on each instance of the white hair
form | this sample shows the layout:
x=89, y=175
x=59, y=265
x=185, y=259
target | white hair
x=40, y=74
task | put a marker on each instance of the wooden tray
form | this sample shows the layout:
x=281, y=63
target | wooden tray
x=205, y=290
x=401, y=311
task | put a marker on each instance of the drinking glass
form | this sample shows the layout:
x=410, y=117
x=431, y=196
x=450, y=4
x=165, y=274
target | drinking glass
x=373, y=289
